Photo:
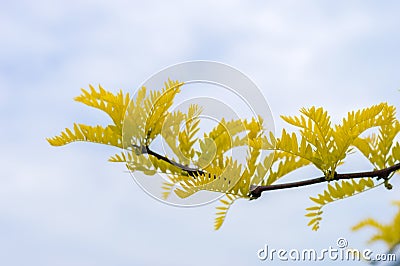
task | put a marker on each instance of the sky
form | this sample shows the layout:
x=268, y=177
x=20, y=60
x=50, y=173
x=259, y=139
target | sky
x=69, y=206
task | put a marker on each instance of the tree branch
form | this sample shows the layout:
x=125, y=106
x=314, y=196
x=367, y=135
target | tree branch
x=381, y=174
x=146, y=150
x=256, y=191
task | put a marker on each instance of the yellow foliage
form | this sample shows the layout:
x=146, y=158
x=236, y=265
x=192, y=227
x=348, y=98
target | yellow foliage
x=387, y=233
x=204, y=162
x=157, y=108
x=377, y=148
x=324, y=145
x=339, y=190
x=113, y=105
x=223, y=210
x=97, y=134
x=187, y=137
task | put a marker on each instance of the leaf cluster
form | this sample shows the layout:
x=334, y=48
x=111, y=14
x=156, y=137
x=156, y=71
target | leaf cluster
x=204, y=161
x=380, y=149
x=387, y=233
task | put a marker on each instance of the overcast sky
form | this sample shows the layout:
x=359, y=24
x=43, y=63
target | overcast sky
x=69, y=206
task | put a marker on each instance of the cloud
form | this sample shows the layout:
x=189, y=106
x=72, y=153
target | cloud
x=70, y=205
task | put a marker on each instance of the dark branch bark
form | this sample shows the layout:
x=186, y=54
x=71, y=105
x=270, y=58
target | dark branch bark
x=381, y=174
x=256, y=191
x=190, y=171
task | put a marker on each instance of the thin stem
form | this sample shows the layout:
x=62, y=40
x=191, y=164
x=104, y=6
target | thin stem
x=381, y=174
x=256, y=191
x=146, y=150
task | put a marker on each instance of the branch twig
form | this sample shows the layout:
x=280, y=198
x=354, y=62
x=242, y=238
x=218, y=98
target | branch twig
x=381, y=174
x=191, y=171
x=256, y=191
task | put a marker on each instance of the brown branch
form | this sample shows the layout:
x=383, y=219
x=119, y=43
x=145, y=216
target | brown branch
x=256, y=191
x=190, y=171
x=381, y=174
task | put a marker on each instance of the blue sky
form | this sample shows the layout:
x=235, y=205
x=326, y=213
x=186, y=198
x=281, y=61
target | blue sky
x=69, y=206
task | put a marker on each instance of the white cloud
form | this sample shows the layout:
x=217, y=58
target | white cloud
x=79, y=208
